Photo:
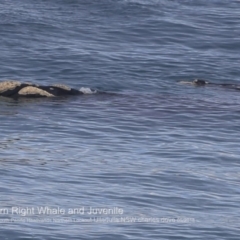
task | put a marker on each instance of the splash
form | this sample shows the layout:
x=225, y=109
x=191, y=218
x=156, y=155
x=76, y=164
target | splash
x=86, y=90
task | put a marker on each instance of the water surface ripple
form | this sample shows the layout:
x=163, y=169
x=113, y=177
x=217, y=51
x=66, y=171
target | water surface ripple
x=167, y=154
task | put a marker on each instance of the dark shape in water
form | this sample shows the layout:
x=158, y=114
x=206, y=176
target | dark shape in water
x=16, y=89
x=200, y=82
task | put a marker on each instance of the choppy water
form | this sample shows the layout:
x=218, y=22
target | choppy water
x=165, y=154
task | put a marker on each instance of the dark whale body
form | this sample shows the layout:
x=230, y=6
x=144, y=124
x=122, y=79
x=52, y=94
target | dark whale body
x=58, y=91
x=200, y=82
x=16, y=89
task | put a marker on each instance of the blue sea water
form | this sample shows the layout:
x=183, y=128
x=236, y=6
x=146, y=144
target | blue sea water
x=158, y=159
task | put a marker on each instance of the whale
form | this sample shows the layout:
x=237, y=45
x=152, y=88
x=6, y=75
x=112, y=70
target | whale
x=201, y=82
x=16, y=89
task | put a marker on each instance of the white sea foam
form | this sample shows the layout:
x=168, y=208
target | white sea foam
x=85, y=90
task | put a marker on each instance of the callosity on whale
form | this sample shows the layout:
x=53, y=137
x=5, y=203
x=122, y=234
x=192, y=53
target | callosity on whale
x=197, y=82
x=16, y=89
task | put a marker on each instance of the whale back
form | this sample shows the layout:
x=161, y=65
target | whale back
x=16, y=89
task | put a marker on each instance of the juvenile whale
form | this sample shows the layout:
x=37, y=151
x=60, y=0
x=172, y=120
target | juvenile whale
x=16, y=89
x=200, y=82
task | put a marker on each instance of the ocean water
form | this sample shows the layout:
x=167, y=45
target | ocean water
x=150, y=158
